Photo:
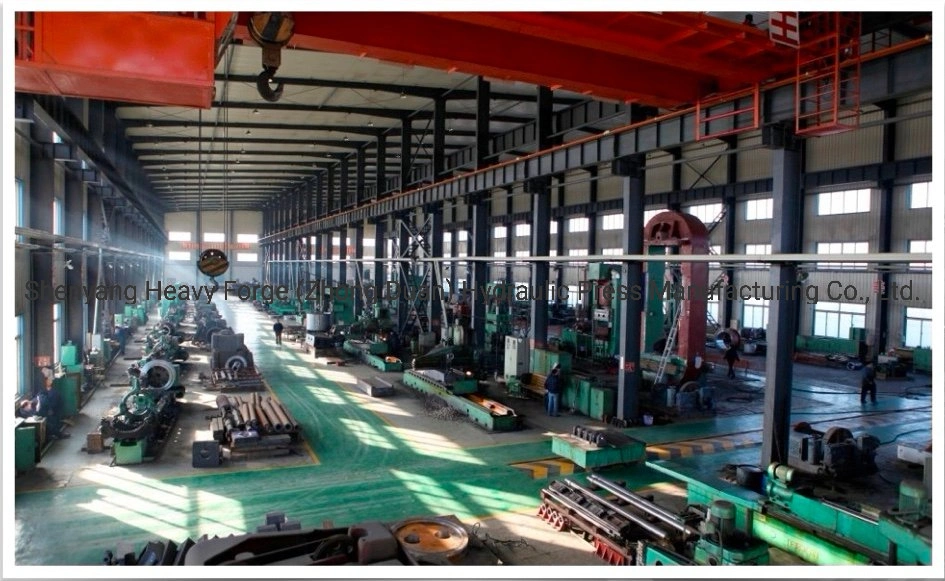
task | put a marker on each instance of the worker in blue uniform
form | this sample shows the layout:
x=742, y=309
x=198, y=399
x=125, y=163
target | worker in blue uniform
x=553, y=391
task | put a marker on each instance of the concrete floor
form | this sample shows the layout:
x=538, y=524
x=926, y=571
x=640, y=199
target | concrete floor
x=392, y=458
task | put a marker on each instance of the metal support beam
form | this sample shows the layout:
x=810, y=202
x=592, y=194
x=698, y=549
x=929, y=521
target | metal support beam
x=342, y=256
x=782, y=323
x=629, y=374
x=592, y=216
x=881, y=325
x=540, y=189
x=437, y=317
x=380, y=252
x=482, y=122
x=479, y=206
x=727, y=305
x=330, y=190
x=343, y=200
x=509, y=236
x=439, y=138
x=545, y=118
x=405, y=155
x=357, y=240
x=381, y=163
x=359, y=176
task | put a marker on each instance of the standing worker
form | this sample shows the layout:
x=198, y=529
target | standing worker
x=552, y=390
x=277, y=329
x=868, y=385
x=731, y=356
x=50, y=407
x=123, y=331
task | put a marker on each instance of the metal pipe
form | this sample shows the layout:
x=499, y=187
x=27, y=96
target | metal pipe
x=267, y=408
x=643, y=504
x=264, y=418
x=635, y=519
x=607, y=527
x=277, y=408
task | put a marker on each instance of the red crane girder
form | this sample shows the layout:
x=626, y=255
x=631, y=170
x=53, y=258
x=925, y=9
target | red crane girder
x=667, y=59
x=138, y=57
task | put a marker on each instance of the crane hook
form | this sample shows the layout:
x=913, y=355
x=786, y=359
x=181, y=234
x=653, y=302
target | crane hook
x=265, y=89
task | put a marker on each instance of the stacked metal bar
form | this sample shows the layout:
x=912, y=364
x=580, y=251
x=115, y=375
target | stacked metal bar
x=253, y=422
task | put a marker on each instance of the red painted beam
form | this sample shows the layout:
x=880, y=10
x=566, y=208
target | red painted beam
x=449, y=44
x=123, y=56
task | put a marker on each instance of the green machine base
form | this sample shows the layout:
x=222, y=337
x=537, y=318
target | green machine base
x=588, y=455
x=381, y=362
x=491, y=415
x=129, y=452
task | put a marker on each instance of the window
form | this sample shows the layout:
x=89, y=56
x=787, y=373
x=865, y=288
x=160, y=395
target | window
x=577, y=252
x=20, y=206
x=612, y=251
x=523, y=229
x=612, y=222
x=522, y=253
x=649, y=214
x=578, y=225
x=919, y=195
x=247, y=257
x=712, y=309
x=447, y=244
x=500, y=232
x=918, y=327
x=499, y=254
x=178, y=236
x=462, y=235
x=842, y=248
x=178, y=255
x=247, y=238
x=705, y=212
x=920, y=247
x=759, y=209
x=716, y=249
x=58, y=222
x=214, y=237
x=57, y=331
x=22, y=387
x=836, y=319
x=757, y=249
x=848, y=202
x=754, y=313
x=369, y=242
x=573, y=295
x=554, y=227
x=553, y=252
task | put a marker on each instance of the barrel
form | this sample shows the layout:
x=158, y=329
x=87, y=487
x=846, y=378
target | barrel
x=320, y=322
x=310, y=322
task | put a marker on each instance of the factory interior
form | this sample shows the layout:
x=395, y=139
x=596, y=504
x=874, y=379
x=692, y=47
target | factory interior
x=468, y=289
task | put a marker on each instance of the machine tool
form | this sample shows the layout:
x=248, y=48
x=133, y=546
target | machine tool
x=458, y=390
x=146, y=415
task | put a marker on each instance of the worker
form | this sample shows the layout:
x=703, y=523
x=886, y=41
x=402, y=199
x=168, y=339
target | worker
x=552, y=391
x=731, y=356
x=50, y=407
x=868, y=384
x=277, y=329
x=123, y=331
x=749, y=20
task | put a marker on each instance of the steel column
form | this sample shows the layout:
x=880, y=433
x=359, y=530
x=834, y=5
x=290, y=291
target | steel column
x=482, y=122
x=357, y=239
x=381, y=162
x=480, y=206
x=437, y=318
x=509, y=235
x=881, y=325
x=629, y=375
x=439, y=137
x=726, y=304
x=545, y=119
x=540, y=189
x=74, y=213
x=343, y=187
x=359, y=176
x=782, y=322
x=405, y=154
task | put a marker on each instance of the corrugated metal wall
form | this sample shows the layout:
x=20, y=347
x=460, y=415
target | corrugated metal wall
x=914, y=136
x=847, y=149
x=753, y=164
x=705, y=157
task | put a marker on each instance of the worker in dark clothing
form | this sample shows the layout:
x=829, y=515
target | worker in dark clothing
x=123, y=332
x=277, y=329
x=749, y=20
x=552, y=391
x=731, y=356
x=50, y=407
x=868, y=385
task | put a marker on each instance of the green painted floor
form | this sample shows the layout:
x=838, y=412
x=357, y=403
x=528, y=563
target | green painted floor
x=368, y=469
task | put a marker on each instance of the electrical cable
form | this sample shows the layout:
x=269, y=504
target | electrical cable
x=901, y=434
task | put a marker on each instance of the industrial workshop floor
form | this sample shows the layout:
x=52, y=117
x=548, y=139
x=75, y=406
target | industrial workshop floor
x=385, y=459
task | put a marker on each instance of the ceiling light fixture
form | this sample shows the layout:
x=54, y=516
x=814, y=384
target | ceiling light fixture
x=249, y=132
x=370, y=124
x=403, y=94
x=345, y=138
x=255, y=111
